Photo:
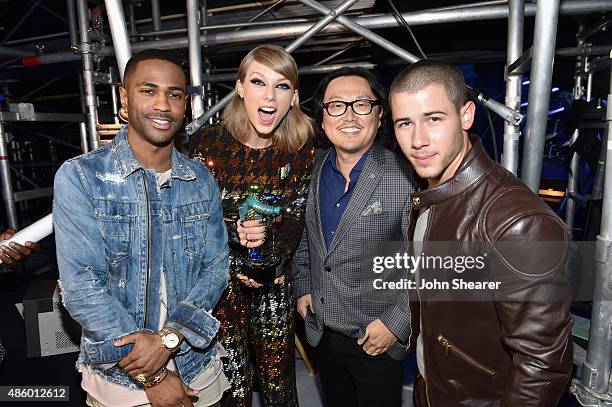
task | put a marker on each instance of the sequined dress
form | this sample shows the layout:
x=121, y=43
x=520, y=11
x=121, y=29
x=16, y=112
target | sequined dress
x=257, y=324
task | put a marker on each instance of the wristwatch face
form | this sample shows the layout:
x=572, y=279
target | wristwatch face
x=170, y=340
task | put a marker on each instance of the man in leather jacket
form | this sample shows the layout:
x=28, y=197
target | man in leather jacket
x=513, y=348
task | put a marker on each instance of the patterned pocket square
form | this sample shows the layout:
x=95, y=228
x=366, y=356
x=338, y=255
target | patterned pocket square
x=374, y=209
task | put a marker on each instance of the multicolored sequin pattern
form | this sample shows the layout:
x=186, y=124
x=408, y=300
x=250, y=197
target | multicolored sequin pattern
x=235, y=166
x=257, y=324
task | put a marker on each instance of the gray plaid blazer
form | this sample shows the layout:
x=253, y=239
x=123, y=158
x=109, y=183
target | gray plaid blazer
x=338, y=278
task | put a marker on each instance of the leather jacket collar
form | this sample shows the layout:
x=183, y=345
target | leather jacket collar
x=474, y=167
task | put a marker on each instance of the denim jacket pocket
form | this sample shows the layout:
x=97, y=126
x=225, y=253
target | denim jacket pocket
x=117, y=234
x=116, y=221
x=117, y=228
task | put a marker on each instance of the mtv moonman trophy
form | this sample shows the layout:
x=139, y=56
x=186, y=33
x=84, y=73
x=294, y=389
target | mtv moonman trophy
x=263, y=260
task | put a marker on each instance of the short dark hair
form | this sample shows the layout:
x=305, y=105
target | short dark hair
x=153, y=53
x=319, y=95
x=425, y=72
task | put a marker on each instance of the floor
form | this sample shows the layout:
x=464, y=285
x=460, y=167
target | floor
x=310, y=393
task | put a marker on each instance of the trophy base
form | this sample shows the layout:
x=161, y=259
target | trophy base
x=263, y=274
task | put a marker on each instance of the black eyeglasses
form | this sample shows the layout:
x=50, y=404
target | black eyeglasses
x=361, y=107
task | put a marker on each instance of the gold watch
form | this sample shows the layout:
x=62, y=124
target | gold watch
x=170, y=339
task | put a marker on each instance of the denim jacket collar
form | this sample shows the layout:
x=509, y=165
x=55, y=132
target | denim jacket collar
x=128, y=162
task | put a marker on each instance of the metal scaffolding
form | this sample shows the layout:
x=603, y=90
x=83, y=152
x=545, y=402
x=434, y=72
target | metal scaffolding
x=544, y=39
x=572, y=182
x=514, y=81
x=195, y=57
x=314, y=29
x=89, y=89
x=468, y=13
x=5, y=177
x=116, y=21
x=506, y=113
x=594, y=388
x=73, y=31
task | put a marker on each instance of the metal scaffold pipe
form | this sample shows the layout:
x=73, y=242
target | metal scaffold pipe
x=585, y=51
x=72, y=24
x=339, y=52
x=74, y=44
x=195, y=56
x=594, y=389
x=121, y=41
x=307, y=70
x=132, y=20
x=545, y=35
x=320, y=25
x=115, y=102
x=201, y=120
x=88, y=67
x=13, y=52
x=364, y=32
x=425, y=17
x=597, y=365
x=516, y=19
x=155, y=15
x=7, y=185
x=211, y=96
x=600, y=170
x=572, y=180
x=203, y=13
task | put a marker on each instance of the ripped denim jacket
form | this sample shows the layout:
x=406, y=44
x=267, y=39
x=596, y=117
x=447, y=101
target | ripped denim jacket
x=117, y=232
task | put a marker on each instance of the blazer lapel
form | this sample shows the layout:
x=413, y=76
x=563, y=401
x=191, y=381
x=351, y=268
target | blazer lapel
x=368, y=180
x=317, y=206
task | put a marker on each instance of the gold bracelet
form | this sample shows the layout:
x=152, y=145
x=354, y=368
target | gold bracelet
x=156, y=378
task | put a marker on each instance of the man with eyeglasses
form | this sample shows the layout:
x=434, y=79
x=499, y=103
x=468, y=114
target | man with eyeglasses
x=359, y=197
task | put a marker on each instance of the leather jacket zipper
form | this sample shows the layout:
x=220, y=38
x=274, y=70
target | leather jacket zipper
x=449, y=347
x=146, y=189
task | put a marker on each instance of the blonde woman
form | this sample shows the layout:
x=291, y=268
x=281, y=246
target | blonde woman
x=264, y=139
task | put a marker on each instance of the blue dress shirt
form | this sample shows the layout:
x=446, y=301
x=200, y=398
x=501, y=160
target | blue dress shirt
x=332, y=198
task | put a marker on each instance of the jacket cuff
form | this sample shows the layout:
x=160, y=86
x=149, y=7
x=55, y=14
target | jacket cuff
x=301, y=287
x=197, y=326
x=105, y=354
x=397, y=320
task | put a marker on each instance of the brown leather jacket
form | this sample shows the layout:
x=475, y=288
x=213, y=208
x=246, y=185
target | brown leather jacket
x=495, y=352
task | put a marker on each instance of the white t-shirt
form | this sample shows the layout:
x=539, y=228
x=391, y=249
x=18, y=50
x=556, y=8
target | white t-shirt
x=419, y=234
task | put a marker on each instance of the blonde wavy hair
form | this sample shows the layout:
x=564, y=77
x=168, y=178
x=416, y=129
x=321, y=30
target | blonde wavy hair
x=295, y=130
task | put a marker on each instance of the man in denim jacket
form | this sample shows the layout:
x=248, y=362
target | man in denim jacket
x=142, y=251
